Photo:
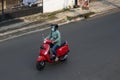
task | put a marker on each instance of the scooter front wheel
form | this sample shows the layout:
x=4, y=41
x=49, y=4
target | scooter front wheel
x=40, y=65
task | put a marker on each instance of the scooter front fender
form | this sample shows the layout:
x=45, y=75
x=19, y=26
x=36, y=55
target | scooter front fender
x=41, y=58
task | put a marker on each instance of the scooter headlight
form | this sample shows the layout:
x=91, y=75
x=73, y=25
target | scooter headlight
x=44, y=41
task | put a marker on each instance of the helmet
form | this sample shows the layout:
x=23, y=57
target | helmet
x=54, y=27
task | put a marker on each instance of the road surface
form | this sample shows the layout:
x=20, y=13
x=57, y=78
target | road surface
x=94, y=55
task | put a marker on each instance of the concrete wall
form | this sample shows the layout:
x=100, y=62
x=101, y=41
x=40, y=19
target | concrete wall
x=54, y=5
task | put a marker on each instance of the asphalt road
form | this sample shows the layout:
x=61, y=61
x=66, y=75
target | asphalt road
x=95, y=53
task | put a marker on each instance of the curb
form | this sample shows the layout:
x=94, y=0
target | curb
x=105, y=12
x=26, y=30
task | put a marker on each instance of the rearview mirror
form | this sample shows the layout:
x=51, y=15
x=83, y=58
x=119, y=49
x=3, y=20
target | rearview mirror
x=41, y=47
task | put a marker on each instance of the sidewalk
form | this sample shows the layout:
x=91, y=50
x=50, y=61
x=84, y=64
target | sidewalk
x=38, y=21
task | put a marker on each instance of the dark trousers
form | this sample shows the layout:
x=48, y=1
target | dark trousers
x=54, y=49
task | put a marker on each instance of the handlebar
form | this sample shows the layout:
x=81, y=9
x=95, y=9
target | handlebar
x=48, y=41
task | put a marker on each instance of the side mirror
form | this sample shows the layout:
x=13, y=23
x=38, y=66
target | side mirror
x=41, y=47
x=43, y=36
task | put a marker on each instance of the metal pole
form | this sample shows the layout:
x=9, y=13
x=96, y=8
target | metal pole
x=42, y=6
x=2, y=8
x=76, y=2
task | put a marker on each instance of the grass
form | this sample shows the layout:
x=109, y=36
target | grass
x=51, y=16
x=43, y=17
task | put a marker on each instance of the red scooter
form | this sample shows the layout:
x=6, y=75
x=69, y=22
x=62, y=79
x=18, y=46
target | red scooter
x=47, y=56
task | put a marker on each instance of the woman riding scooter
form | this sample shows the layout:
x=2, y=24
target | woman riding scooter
x=52, y=42
x=56, y=37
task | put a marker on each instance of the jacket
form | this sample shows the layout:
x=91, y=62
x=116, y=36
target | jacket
x=55, y=36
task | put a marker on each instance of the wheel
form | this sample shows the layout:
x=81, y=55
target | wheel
x=64, y=58
x=40, y=65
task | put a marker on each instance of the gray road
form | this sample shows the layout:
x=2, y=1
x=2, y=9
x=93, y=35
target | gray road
x=95, y=53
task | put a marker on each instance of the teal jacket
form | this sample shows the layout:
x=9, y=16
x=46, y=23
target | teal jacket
x=55, y=36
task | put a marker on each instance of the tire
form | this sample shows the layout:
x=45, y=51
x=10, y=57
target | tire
x=64, y=58
x=40, y=65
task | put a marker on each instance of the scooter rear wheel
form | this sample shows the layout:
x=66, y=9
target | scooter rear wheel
x=64, y=58
x=40, y=65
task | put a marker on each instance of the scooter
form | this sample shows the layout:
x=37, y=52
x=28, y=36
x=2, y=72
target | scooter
x=47, y=56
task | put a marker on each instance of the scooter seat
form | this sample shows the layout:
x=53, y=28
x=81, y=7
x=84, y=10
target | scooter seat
x=63, y=43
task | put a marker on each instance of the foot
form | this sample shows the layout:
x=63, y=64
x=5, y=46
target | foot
x=56, y=59
x=53, y=57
